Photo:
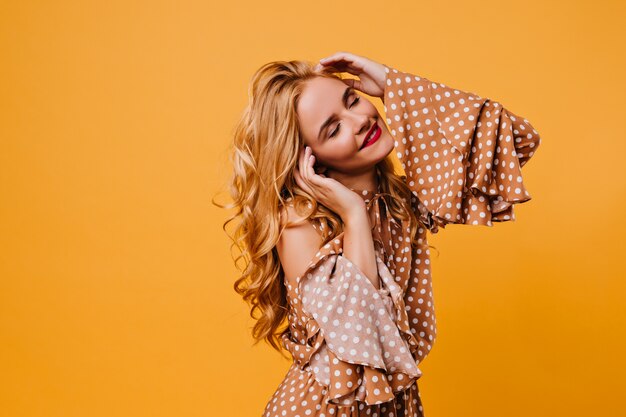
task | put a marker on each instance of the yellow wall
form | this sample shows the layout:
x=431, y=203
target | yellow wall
x=115, y=281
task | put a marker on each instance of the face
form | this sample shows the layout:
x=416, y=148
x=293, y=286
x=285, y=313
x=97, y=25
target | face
x=335, y=121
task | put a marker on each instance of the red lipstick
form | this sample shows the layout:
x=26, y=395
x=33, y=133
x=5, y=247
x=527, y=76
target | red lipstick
x=372, y=136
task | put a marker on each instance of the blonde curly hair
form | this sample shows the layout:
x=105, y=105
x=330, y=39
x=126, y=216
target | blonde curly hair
x=264, y=154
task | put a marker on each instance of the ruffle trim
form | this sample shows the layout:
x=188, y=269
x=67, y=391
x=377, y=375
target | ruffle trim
x=390, y=365
x=483, y=172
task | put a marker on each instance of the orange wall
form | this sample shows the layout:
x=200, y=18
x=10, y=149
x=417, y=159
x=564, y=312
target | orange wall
x=115, y=281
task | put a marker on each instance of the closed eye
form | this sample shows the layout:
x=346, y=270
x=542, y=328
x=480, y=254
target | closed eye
x=355, y=102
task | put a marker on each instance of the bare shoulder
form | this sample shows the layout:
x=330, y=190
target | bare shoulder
x=297, y=244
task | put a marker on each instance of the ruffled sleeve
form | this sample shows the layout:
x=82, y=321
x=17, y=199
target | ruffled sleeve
x=359, y=342
x=462, y=154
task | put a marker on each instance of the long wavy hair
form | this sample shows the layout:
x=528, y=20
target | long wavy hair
x=264, y=154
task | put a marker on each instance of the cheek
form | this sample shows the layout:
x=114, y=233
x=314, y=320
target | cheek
x=340, y=147
x=337, y=156
x=389, y=137
x=387, y=145
x=391, y=145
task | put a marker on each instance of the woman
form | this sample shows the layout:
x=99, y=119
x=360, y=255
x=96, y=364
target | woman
x=335, y=241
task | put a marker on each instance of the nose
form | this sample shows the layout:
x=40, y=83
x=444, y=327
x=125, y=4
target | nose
x=362, y=124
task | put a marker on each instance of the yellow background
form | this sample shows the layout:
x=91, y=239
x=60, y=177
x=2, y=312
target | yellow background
x=115, y=275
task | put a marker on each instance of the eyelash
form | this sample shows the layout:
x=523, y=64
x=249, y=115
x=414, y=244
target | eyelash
x=356, y=100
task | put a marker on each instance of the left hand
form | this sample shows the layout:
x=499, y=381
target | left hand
x=372, y=75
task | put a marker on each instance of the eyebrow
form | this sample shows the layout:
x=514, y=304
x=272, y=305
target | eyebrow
x=332, y=117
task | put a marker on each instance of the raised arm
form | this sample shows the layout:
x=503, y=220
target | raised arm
x=462, y=153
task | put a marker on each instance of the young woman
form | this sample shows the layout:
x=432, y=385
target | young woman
x=335, y=241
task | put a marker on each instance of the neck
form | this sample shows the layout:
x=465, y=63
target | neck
x=367, y=180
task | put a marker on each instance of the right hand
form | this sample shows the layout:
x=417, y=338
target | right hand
x=327, y=191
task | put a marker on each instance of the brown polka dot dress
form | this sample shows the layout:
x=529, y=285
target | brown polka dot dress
x=356, y=349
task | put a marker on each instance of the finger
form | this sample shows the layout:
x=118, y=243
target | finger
x=308, y=167
x=312, y=177
x=338, y=56
x=305, y=167
x=344, y=61
x=354, y=83
x=305, y=159
x=310, y=172
x=338, y=60
x=301, y=157
x=298, y=177
x=301, y=183
x=345, y=67
x=309, y=163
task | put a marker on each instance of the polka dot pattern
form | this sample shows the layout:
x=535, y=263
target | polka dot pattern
x=462, y=153
x=358, y=324
x=300, y=395
x=355, y=348
x=374, y=372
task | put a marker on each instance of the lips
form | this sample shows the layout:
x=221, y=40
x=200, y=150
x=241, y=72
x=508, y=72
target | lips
x=370, y=135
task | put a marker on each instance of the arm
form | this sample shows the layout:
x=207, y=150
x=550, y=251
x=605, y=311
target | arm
x=297, y=245
x=358, y=244
x=462, y=153
x=357, y=339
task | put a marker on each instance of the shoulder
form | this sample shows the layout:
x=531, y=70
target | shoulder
x=299, y=241
x=289, y=214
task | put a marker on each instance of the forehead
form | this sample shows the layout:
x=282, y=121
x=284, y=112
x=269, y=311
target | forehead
x=320, y=97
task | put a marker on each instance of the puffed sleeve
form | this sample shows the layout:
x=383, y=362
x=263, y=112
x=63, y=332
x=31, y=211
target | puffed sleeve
x=462, y=154
x=361, y=345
